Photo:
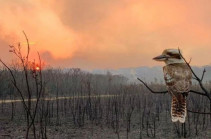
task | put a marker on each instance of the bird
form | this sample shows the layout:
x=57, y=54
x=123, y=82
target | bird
x=177, y=76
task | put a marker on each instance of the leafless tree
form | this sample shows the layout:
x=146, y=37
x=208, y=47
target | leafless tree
x=34, y=84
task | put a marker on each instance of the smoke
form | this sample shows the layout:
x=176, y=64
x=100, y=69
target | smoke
x=107, y=33
x=42, y=26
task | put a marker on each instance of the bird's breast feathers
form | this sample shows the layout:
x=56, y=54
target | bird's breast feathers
x=177, y=77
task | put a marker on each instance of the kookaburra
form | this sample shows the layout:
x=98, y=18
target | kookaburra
x=177, y=76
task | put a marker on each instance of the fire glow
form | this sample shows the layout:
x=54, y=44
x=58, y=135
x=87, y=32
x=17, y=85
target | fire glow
x=37, y=68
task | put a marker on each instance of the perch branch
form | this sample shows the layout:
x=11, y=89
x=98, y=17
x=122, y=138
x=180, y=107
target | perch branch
x=199, y=93
x=155, y=92
x=163, y=92
x=196, y=77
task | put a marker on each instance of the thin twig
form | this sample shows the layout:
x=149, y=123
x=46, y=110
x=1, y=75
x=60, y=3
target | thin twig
x=28, y=50
x=190, y=61
x=202, y=77
x=199, y=112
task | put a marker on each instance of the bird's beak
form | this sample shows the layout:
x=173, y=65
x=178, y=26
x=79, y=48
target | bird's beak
x=161, y=58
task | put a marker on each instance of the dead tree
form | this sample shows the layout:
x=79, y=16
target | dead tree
x=31, y=72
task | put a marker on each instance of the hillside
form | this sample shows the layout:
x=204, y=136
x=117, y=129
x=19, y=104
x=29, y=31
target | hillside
x=151, y=74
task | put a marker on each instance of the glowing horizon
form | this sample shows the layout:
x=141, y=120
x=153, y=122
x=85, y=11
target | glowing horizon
x=106, y=34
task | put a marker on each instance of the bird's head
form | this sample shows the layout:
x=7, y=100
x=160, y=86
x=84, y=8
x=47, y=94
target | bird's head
x=170, y=56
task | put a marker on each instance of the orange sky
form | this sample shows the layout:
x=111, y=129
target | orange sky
x=107, y=33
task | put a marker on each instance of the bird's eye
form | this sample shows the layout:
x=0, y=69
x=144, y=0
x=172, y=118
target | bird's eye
x=177, y=56
x=170, y=54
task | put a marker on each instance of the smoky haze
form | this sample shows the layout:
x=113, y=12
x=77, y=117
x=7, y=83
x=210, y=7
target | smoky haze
x=92, y=34
x=151, y=74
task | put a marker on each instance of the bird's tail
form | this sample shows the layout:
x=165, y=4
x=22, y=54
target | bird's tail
x=178, y=108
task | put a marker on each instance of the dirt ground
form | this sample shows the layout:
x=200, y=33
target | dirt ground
x=15, y=130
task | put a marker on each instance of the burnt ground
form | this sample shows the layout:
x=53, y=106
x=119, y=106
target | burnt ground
x=66, y=130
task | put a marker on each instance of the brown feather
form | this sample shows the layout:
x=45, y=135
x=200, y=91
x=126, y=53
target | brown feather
x=178, y=80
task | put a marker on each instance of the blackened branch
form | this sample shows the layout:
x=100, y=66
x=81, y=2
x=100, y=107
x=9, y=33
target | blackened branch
x=207, y=94
x=199, y=112
x=199, y=93
x=155, y=92
x=163, y=92
x=28, y=47
x=202, y=77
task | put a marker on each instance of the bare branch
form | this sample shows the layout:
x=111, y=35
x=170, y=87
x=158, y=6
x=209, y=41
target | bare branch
x=28, y=47
x=38, y=89
x=190, y=61
x=163, y=92
x=160, y=92
x=202, y=77
x=196, y=77
x=199, y=93
x=199, y=112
